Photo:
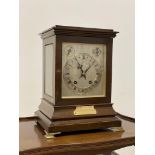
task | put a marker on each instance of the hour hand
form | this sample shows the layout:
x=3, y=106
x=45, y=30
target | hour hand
x=79, y=66
x=83, y=75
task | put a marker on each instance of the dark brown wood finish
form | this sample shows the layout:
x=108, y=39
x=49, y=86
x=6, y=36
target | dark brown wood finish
x=33, y=142
x=76, y=124
x=66, y=112
x=78, y=31
x=56, y=113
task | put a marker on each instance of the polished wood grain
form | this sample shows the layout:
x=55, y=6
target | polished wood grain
x=76, y=124
x=66, y=112
x=33, y=142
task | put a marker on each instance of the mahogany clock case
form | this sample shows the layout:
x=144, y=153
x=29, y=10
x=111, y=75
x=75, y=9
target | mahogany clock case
x=55, y=113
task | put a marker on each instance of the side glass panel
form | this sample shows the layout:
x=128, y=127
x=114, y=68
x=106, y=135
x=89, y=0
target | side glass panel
x=48, y=69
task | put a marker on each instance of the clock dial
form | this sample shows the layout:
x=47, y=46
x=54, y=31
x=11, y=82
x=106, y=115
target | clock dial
x=83, y=71
x=77, y=73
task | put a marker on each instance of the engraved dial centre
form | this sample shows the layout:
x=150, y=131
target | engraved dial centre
x=77, y=73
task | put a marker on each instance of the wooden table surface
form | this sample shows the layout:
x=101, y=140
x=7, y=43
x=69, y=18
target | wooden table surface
x=33, y=142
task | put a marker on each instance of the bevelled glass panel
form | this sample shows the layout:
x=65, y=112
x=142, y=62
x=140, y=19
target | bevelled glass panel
x=48, y=69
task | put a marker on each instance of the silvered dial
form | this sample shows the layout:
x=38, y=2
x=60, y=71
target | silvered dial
x=82, y=73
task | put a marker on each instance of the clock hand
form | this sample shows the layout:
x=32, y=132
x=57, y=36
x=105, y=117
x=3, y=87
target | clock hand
x=89, y=67
x=77, y=62
x=80, y=67
x=83, y=73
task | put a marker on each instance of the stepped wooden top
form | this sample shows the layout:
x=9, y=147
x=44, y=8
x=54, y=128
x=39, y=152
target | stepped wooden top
x=78, y=31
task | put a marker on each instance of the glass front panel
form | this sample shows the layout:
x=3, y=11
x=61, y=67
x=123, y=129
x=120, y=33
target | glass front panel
x=48, y=69
x=83, y=70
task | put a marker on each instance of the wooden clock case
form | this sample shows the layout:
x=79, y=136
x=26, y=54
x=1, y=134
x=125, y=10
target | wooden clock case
x=55, y=113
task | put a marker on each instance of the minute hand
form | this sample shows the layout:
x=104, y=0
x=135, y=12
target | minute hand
x=89, y=67
x=77, y=62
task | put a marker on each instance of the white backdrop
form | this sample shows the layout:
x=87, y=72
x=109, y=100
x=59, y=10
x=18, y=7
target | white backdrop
x=38, y=15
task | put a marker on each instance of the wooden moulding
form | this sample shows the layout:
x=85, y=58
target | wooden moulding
x=67, y=112
x=62, y=119
x=76, y=124
x=78, y=31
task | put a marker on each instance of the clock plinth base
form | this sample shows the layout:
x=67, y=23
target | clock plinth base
x=78, y=124
x=62, y=119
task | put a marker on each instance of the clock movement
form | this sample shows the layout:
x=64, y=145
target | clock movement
x=77, y=75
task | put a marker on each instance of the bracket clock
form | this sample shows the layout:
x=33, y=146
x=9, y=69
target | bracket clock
x=77, y=75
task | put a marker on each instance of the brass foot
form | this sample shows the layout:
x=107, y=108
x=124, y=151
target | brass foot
x=50, y=135
x=115, y=129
